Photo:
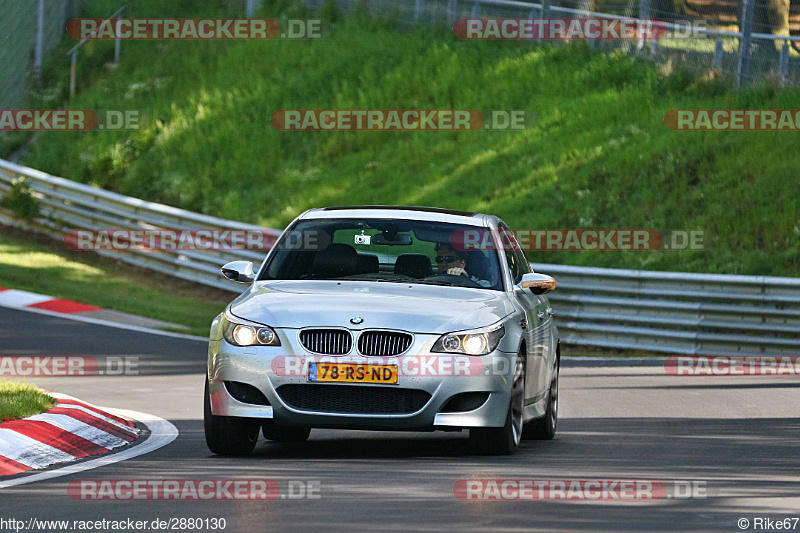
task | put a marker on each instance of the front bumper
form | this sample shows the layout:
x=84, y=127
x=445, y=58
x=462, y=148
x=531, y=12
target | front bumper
x=267, y=368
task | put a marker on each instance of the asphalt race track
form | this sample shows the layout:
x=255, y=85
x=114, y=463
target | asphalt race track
x=736, y=437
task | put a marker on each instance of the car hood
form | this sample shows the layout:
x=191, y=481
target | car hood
x=411, y=307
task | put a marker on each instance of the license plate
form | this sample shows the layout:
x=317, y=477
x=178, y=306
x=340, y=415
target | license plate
x=352, y=373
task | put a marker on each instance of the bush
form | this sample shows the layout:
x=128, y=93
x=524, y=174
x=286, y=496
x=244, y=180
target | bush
x=20, y=201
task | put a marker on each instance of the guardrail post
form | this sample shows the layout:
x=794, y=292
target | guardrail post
x=476, y=10
x=545, y=9
x=37, y=60
x=717, y=61
x=532, y=16
x=644, y=15
x=743, y=70
x=250, y=8
x=654, y=37
x=73, y=52
x=783, y=69
x=117, y=42
x=452, y=11
x=419, y=9
x=73, y=71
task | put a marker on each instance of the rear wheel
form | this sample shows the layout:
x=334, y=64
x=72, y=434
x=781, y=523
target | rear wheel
x=545, y=427
x=273, y=431
x=228, y=435
x=504, y=440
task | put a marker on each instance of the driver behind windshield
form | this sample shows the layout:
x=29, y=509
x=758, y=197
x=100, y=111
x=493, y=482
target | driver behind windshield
x=454, y=262
x=450, y=261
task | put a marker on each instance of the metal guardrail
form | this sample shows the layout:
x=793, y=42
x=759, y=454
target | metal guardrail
x=670, y=312
x=676, y=312
x=65, y=205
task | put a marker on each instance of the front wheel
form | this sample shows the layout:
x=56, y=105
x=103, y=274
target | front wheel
x=228, y=435
x=545, y=427
x=504, y=440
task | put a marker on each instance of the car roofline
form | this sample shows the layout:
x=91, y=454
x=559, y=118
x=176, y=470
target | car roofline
x=401, y=212
x=424, y=209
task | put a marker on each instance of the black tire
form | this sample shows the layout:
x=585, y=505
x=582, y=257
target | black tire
x=273, y=431
x=545, y=428
x=228, y=435
x=504, y=440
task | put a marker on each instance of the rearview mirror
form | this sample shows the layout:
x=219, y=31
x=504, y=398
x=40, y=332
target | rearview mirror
x=239, y=271
x=399, y=240
x=538, y=283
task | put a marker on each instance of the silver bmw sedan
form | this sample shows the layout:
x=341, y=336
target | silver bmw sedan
x=385, y=318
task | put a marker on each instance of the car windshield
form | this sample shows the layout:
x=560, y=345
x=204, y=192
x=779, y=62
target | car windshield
x=383, y=250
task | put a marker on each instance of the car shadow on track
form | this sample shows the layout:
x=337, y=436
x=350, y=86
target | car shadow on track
x=382, y=445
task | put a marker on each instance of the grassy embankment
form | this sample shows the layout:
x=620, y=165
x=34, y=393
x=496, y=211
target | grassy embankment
x=21, y=400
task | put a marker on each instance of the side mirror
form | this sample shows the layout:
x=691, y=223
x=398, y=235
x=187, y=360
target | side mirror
x=538, y=283
x=239, y=271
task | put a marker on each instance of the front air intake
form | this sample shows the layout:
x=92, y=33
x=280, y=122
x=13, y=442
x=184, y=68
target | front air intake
x=353, y=399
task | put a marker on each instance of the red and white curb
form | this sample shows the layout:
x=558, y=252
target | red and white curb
x=162, y=432
x=72, y=430
x=24, y=299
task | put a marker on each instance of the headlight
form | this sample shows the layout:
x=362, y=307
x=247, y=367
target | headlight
x=244, y=334
x=470, y=343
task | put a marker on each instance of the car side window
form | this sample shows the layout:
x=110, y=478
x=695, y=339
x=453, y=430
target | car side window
x=513, y=266
x=522, y=261
x=516, y=264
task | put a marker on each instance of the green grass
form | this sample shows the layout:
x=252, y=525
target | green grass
x=44, y=268
x=21, y=400
x=598, y=154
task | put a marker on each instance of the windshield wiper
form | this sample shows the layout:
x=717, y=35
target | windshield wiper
x=367, y=278
x=387, y=280
x=423, y=282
